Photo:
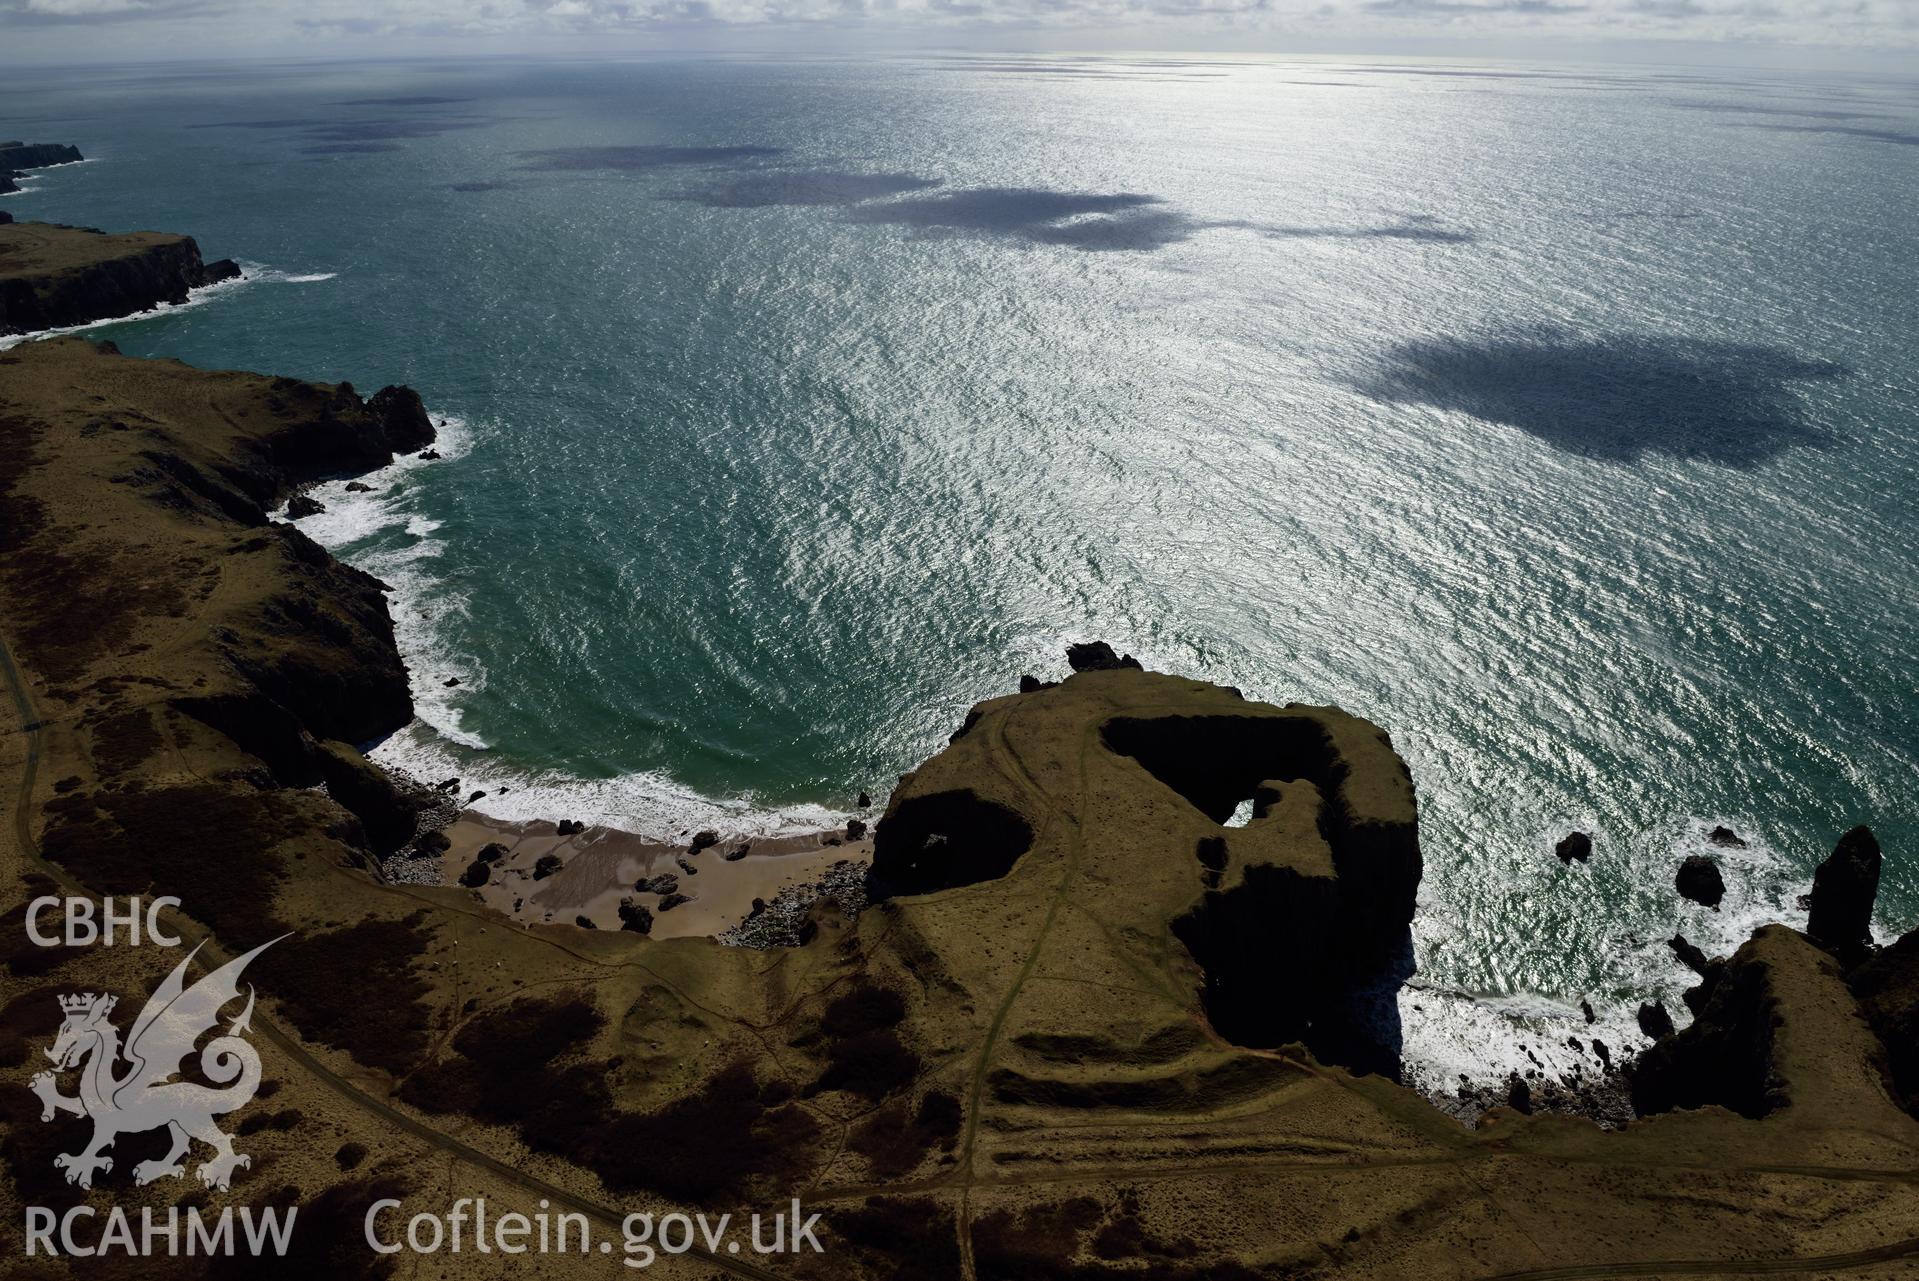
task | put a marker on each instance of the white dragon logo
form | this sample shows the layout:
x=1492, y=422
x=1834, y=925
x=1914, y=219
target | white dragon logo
x=143, y=1098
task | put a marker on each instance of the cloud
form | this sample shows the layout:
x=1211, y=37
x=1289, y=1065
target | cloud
x=99, y=13
x=1475, y=8
x=1883, y=25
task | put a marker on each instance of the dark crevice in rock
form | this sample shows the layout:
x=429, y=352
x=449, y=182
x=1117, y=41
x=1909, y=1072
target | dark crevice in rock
x=260, y=727
x=1211, y=853
x=389, y=810
x=235, y=506
x=1887, y=988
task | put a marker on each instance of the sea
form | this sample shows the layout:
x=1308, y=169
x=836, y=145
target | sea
x=1561, y=419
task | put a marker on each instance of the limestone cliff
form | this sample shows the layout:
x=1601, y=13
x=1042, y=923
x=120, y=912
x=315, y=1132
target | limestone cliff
x=144, y=583
x=1887, y=987
x=37, y=155
x=53, y=276
x=16, y=156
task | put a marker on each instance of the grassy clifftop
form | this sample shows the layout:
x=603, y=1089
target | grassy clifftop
x=53, y=276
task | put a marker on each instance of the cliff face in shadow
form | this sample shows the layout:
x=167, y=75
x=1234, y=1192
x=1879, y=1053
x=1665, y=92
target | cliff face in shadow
x=53, y=277
x=1081, y=1034
x=37, y=155
x=16, y=155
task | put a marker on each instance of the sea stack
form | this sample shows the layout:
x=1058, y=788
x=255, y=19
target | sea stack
x=1699, y=879
x=1843, y=891
x=1574, y=847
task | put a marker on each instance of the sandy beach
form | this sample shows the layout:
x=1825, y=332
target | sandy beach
x=601, y=866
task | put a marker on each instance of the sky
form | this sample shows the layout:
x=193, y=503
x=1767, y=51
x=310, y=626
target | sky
x=1882, y=35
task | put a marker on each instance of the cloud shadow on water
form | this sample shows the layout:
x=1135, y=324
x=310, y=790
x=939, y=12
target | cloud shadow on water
x=388, y=130
x=802, y=187
x=1423, y=227
x=1801, y=113
x=1077, y=219
x=292, y=122
x=1096, y=221
x=355, y=135
x=411, y=100
x=635, y=159
x=348, y=148
x=1618, y=398
x=1894, y=136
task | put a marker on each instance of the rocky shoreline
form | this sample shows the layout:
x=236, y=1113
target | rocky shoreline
x=135, y=488
x=570, y=874
x=1725, y=1057
x=1068, y=1015
x=1336, y=920
x=791, y=919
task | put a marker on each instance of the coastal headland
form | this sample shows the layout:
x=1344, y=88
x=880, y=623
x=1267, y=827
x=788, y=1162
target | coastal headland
x=16, y=156
x=1079, y=1026
x=54, y=276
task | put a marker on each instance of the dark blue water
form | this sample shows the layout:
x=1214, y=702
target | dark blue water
x=1560, y=420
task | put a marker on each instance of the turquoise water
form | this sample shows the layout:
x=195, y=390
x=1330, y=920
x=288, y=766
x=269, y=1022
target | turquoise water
x=1561, y=420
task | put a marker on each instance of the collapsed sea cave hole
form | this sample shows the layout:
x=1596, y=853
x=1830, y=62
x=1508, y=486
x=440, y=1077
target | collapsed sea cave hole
x=1217, y=763
x=1288, y=955
x=945, y=840
x=1278, y=970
